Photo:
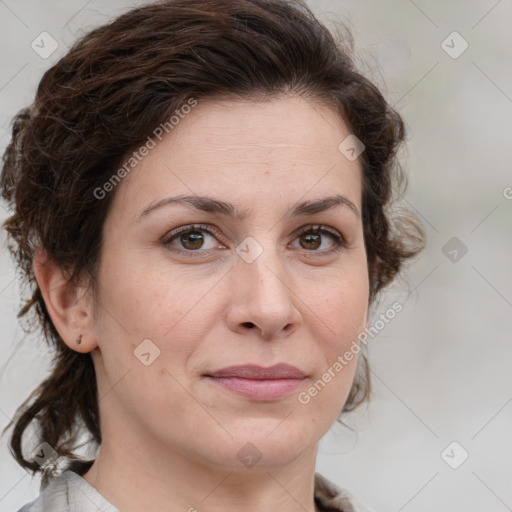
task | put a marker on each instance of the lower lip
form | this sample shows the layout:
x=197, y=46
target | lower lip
x=272, y=389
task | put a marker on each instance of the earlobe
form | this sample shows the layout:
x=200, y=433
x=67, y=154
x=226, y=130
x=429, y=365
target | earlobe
x=68, y=304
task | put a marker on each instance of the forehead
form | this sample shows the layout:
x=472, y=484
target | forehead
x=267, y=150
x=278, y=125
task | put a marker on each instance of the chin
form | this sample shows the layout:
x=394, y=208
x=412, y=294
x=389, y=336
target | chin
x=268, y=448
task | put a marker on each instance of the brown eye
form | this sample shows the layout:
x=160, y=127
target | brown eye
x=192, y=240
x=311, y=241
x=313, y=237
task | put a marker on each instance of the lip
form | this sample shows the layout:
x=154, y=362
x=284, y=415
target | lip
x=259, y=383
x=255, y=372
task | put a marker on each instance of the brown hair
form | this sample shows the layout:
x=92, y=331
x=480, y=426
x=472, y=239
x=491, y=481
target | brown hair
x=107, y=95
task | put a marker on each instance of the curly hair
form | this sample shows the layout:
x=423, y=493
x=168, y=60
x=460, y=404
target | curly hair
x=134, y=73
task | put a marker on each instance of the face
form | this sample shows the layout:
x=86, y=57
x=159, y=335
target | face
x=208, y=290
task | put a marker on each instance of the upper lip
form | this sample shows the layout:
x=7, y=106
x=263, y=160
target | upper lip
x=255, y=372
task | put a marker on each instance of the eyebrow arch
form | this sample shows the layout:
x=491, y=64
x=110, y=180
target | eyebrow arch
x=210, y=205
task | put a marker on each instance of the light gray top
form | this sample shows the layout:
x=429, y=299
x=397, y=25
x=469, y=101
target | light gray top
x=69, y=492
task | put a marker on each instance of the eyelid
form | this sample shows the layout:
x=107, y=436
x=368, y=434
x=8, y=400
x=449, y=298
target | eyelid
x=320, y=228
x=210, y=228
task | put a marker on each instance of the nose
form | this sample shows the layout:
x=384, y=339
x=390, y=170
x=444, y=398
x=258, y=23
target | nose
x=262, y=298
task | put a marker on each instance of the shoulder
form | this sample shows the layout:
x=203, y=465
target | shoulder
x=68, y=492
x=71, y=493
x=336, y=499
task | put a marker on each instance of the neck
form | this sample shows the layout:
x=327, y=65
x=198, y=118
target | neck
x=155, y=479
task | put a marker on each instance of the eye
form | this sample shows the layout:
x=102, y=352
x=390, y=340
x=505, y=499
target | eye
x=197, y=238
x=191, y=238
x=312, y=238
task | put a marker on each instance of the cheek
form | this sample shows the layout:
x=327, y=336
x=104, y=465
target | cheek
x=341, y=306
x=143, y=296
x=143, y=300
x=139, y=301
x=340, y=310
x=340, y=318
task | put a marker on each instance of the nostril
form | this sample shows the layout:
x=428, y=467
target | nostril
x=249, y=324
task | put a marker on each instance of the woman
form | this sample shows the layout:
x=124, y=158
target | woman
x=201, y=196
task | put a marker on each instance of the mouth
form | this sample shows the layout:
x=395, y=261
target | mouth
x=259, y=383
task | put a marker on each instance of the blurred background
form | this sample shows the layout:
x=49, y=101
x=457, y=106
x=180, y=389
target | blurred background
x=437, y=434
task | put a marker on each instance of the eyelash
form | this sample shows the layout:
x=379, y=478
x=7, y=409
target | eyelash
x=339, y=241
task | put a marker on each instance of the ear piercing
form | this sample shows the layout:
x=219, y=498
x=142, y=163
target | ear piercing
x=79, y=340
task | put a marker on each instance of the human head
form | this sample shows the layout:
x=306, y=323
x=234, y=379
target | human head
x=108, y=95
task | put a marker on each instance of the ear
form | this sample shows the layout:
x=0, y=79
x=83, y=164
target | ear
x=69, y=305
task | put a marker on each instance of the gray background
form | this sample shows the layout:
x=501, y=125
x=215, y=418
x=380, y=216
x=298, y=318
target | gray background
x=441, y=368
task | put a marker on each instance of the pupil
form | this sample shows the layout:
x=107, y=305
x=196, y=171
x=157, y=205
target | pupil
x=312, y=239
x=194, y=240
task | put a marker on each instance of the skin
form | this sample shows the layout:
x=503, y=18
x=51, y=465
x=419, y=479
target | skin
x=170, y=436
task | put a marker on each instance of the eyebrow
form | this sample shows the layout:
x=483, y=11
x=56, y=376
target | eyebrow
x=210, y=205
